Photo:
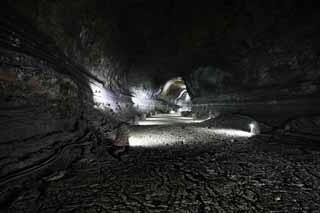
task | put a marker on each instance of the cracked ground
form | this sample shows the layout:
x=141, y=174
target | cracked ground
x=208, y=172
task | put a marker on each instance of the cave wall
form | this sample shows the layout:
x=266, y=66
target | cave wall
x=87, y=32
x=265, y=65
x=259, y=58
x=48, y=115
x=254, y=58
x=39, y=97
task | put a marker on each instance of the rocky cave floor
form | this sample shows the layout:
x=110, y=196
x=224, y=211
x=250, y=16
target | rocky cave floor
x=203, y=173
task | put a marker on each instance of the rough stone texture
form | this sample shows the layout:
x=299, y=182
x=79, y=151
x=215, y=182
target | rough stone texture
x=217, y=174
x=273, y=113
x=46, y=106
x=87, y=32
x=243, y=52
x=39, y=108
x=249, y=58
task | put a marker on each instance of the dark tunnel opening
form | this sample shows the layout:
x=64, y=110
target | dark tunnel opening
x=169, y=106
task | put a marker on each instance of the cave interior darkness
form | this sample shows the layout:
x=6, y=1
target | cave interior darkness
x=159, y=106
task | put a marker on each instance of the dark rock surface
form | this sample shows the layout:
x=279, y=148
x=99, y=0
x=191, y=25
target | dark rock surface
x=260, y=174
x=46, y=106
x=246, y=53
x=69, y=74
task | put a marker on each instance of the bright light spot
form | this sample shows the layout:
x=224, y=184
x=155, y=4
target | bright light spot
x=161, y=136
x=184, y=101
x=224, y=132
x=150, y=140
x=143, y=99
x=141, y=94
x=183, y=97
x=172, y=112
x=169, y=119
x=233, y=132
x=254, y=128
x=185, y=108
x=169, y=83
x=103, y=98
x=182, y=93
x=157, y=137
x=251, y=127
x=188, y=98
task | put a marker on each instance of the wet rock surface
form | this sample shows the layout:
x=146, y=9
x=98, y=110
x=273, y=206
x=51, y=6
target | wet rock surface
x=222, y=174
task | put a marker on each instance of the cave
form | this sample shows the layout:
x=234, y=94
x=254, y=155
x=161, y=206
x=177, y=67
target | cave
x=159, y=106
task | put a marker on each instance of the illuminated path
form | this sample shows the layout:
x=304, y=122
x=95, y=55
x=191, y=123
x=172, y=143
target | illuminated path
x=223, y=175
x=168, y=119
x=172, y=129
x=186, y=167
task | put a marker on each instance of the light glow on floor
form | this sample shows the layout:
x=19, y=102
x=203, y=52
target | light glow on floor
x=168, y=129
x=168, y=119
x=172, y=136
x=227, y=132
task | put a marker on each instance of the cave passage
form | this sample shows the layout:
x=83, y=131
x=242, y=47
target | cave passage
x=159, y=106
x=174, y=129
x=186, y=168
x=169, y=119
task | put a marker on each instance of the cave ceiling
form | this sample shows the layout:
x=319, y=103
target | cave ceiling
x=157, y=41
